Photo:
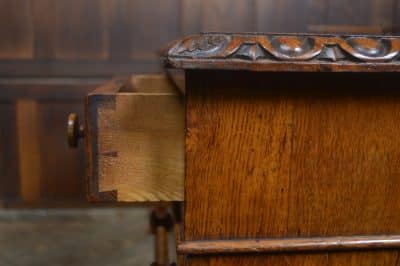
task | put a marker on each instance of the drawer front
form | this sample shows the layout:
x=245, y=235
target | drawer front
x=135, y=141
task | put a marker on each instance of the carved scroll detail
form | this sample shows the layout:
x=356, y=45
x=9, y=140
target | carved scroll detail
x=260, y=48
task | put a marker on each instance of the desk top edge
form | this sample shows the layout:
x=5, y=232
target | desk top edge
x=285, y=52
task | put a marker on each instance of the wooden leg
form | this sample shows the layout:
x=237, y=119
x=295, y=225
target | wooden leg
x=161, y=223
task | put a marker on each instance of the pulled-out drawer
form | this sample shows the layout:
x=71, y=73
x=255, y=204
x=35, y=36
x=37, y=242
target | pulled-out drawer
x=134, y=137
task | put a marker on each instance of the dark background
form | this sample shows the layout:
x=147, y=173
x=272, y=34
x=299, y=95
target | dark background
x=52, y=52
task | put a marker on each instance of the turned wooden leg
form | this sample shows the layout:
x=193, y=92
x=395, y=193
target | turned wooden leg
x=161, y=223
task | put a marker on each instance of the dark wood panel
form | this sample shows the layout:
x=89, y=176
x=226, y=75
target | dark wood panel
x=228, y=15
x=9, y=183
x=76, y=68
x=148, y=25
x=81, y=30
x=62, y=168
x=231, y=16
x=44, y=29
x=36, y=165
x=282, y=16
x=16, y=29
x=191, y=17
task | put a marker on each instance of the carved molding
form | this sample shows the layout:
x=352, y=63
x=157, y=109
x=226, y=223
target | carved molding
x=267, y=48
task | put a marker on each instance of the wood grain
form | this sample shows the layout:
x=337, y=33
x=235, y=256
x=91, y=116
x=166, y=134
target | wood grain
x=77, y=40
x=382, y=258
x=238, y=15
x=282, y=16
x=37, y=167
x=29, y=149
x=16, y=30
x=291, y=155
x=137, y=137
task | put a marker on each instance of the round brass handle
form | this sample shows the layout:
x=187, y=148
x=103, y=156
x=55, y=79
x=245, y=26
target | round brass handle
x=75, y=131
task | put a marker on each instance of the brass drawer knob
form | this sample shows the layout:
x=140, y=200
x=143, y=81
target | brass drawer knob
x=75, y=131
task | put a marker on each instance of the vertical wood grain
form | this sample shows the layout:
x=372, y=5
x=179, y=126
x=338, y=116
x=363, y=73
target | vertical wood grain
x=228, y=15
x=44, y=29
x=16, y=29
x=286, y=158
x=81, y=30
x=140, y=28
x=382, y=14
x=300, y=163
x=282, y=16
x=191, y=15
x=153, y=23
x=349, y=12
x=62, y=171
x=29, y=150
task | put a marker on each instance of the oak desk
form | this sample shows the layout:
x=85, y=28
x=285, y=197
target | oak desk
x=291, y=153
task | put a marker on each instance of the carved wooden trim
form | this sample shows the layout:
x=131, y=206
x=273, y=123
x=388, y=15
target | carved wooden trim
x=263, y=52
x=211, y=247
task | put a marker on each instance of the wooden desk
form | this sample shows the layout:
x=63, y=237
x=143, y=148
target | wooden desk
x=292, y=149
x=291, y=152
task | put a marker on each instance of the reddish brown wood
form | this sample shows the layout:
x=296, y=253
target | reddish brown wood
x=289, y=245
x=287, y=155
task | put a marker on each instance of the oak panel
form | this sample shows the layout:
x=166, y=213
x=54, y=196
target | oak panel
x=302, y=159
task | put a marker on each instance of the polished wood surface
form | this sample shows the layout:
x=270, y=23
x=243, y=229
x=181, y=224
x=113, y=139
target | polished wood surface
x=286, y=157
x=135, y=141
x=300, y=159
x=288, y=245
x=271, y=155
x=285, y=52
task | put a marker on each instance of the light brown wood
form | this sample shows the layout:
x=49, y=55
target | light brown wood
x=136, y=135
x=29, y=150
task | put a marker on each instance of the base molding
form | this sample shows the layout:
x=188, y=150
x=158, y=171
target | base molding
x=288, y=245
